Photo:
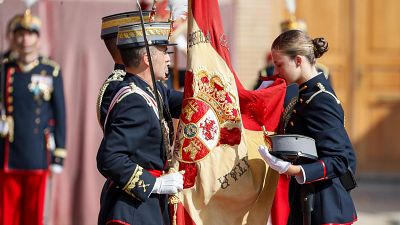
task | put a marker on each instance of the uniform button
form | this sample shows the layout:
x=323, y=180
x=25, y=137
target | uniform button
x=37, y=120
x=294, y=111
x=11, y=79
x=10, y=99
x=38, y=111
x=10, y=89
x=301, y=100
x=10, y=108
x=291, y=123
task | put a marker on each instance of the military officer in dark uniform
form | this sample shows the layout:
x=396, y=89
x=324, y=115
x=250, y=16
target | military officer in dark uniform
x=35, y=141
x=131, y=155
x=109, y=30
x=319, y=115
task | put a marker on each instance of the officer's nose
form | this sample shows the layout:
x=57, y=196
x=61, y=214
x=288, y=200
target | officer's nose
x=167, y=59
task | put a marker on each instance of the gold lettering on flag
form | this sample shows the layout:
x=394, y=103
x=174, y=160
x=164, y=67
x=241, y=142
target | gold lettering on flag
x=240, y=168
x=198, y=37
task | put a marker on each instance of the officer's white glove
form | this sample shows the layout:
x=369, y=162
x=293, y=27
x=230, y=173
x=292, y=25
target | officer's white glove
x=276, y=164
x=56, y=168
x=171, y=183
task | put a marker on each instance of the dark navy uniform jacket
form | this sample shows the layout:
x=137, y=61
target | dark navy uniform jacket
x=131, y=147
x=106, y=92
x=34, y=99
x=319, y=115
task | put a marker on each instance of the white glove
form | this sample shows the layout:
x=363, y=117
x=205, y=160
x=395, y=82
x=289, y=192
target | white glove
x=265, y=84
x=171, y=183
x=56, y=168
x=179, y=8
x=276, y=164
x=4, y=128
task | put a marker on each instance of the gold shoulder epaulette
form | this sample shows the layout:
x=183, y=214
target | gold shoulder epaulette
x=322, y=89
x=121, y=94
x=117, y=75
x=133, y=89
x=56, y=66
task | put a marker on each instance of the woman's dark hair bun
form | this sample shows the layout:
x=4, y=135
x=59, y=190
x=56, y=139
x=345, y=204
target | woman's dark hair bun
x=320, y=46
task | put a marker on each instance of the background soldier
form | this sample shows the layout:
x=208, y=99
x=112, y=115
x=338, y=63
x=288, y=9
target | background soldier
x=109, y=30
x=35, y=109
x=131, y=155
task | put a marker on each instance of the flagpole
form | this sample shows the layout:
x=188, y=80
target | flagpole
x=175, y=70
x=164, y=133
x=2, y=72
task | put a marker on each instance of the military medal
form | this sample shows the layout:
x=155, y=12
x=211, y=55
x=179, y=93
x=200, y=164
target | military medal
x=41, y=86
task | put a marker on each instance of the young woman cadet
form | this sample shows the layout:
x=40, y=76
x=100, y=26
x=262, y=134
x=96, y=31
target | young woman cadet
x=319, y=115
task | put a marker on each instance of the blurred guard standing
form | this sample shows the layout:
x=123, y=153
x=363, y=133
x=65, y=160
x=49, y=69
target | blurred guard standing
x=35, y=109
x=109, y=30
x=131, y=155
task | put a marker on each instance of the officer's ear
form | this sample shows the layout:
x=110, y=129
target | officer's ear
x=145, y=59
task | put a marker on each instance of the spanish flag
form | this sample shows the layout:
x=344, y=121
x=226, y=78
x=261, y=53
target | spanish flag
x=220, y=129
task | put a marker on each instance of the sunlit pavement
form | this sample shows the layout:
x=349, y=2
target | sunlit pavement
x=377, y=201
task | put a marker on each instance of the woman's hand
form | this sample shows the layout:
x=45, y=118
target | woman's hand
x=276, y=164
x=279, y=165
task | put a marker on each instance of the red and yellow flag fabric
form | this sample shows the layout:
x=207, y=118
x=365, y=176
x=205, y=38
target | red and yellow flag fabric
x=220, y=129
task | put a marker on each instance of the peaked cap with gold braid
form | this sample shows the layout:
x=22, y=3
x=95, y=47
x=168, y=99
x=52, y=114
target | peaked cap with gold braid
x=131, y=36
x=110, y=24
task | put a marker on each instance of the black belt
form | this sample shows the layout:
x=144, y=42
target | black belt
x=348, y=180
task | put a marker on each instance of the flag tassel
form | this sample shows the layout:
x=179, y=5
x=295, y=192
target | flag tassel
x=174, y=200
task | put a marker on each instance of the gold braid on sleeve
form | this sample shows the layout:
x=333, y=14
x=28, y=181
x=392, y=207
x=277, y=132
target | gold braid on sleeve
x=131, y=184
